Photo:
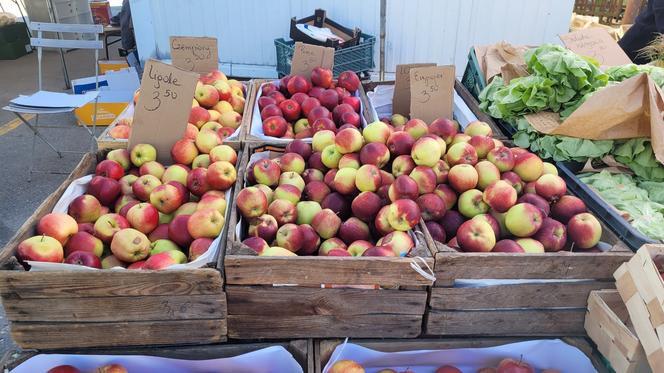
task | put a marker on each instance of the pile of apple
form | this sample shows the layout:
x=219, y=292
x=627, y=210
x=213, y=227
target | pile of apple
x=109, y=368
x=139, y=214
x=297, y=107
x=504, y=366
x=217, y=106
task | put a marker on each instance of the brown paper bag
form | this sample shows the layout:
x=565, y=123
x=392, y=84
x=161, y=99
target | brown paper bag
x=494, y=57
x=630, y=109
x=510, y=71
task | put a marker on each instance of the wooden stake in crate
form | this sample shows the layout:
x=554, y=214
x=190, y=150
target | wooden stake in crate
x=318, y=297
x=538, y=300
x=608, y=325
x=70, y=309
x=642, y=289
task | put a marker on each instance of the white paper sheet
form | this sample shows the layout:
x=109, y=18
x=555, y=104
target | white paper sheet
x=256, y=121
x=540, y=354
x=381, y=105
x=78, y=188
x=275, y=359
x=47, y=99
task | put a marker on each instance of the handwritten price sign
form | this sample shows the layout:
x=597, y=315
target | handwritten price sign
x=163, y=107
x=306, y=57
x=401, y=98
x=431, y=92
x=597, y=44
x=198, y=54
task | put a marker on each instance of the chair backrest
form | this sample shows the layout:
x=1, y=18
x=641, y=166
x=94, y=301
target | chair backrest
x=60, y=28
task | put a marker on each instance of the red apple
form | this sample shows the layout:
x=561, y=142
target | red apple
x=550, y=187
x=84, y=258
x=256, y=243
x=143, y=217
x=403, y=187
x=41, y=248
x=264, y=101
x=326, y=223
x=425, y=179
x=353, y=101
x=143, y=186
x=404, y=214
x=277, y=96
x=462, y=177
x=308, y=105
x=436, y=230
x=514, y=366
x=109, y=168
x=130, y=245
x=444, y=128
x=451, y=222
x=275, y=126
x=482, y=144
x=354, y=229
x=535, y=200
x=431, y=206
x=500, y=196
x=251, y=202
x=321, y=77
x=57, y=225
x=566, y=207
x=85, y=209
x=272, y=111
x=584, y=230
x=476, y=236
x=105, y=189
x=349, y=81
x=298, y=83
x=523, y=219
x=178, y=232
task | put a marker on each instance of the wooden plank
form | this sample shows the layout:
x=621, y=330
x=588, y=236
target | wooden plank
x=323, y=326
x=562, y=322
x=17, y=284
x=298, y=301
x=85, y=166
x=562, y=265
x=560, y=294
x=385, y=271
x=82, y=335
x=116, y=309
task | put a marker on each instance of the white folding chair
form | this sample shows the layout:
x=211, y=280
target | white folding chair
x=40, y=42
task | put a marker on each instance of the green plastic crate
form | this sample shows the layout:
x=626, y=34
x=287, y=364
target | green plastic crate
x=473, y=79
x=13, y=50
x=14, y=32
x=359, y=58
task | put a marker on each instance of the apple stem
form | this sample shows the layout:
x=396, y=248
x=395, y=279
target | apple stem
x=42, y=237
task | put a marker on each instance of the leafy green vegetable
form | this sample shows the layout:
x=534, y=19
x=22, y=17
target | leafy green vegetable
x=620, y=73
x=655, y=190
x=559, y=148
x=560, y=80
x=621, y=191
x=637, y=154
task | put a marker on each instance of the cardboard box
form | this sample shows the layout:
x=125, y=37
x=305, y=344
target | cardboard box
x=101, y=12
x=111, y=65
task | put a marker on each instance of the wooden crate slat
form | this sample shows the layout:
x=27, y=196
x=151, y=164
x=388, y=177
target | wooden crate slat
x=314, y=270
x=526, y=322
x=323, y=326
x=110, y=283
x=539, y=295
x=532, y=266
x=254, y=300
x=82, y=335
x=116, y=309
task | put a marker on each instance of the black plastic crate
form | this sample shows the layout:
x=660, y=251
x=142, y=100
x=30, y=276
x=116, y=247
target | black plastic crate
x=358, y=58
x=603, y=210
x=319, y=19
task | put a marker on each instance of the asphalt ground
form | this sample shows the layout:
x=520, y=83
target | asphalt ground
x=20, y=195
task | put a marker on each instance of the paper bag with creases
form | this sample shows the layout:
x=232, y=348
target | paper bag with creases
x=492, y=57
x=630, y=109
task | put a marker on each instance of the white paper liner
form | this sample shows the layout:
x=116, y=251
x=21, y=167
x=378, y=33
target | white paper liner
x=540, y=354
x=257, y=122
x=275, y=359
x=78, y=188
x=381, y=105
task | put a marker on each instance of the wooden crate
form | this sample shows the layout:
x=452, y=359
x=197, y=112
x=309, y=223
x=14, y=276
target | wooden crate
x=554, y=307
x=607, y=324
x=302, y=351
x=259, y=307
x=105, y=141
x=323, y=349
x=642, y=289
x=462, y=91
x=251, y=106
x=72, y=309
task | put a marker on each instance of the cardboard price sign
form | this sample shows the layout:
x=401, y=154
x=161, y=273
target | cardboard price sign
x=197, y=54
x=163, y=107
x=401, y=98
x=596, y=43
x=431, y=92
x=306, y=57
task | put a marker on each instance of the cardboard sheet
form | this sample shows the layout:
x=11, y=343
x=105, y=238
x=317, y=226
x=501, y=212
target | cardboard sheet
x=306, y=57
x=163, y=107
x=540, y=354
x=596, y=43
x=197, y=54
x=431, y=92
x=630, y=109
x=401, y=98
